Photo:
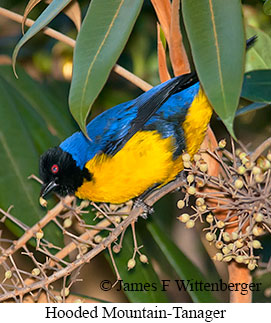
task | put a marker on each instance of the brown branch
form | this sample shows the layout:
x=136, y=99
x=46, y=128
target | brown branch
x=177, y=53
x=260, y=149
x=71, y=42
x=135, y=213
x=163, y=11
x=238, y=274
x=162, y=60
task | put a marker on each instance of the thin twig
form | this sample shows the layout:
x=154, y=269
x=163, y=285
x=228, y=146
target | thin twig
x=135, y=213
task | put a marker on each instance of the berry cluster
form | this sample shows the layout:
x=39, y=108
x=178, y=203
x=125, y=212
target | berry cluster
x=236, y=204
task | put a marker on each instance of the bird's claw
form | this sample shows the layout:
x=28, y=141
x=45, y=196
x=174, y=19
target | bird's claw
x=147, y=209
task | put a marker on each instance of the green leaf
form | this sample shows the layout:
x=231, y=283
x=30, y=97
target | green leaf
x=267, y=7
x=53, y=9
x=257, y=86
x=259, y=55
x=216, y=35
x=24, y=136
x=184, y=267
x=52, y=109
x=251, y=107
x=140, y=275
x=104, y=32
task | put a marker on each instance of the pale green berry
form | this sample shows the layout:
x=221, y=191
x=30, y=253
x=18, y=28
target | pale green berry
x=244, y=160
x=209, y=236
x=65, y=292
x=238, y=183
x=239, y=243
x=259, y=178
x=191, y=190
x=186, y=157
x=84, y=204
x=251, y=266
x=98, y=238
x=35, y=272
x=58, y=298
x=39, y=235
x=202, y=208
x=78, y=300
x=180, y=204
x=239, y=259
x=258, y=217
x=257, y=231
x=197, y=157
x=184, y=217
x=190, y=224
x=200, y=183
x=200, y=201
x=144, y=259
x=237, y=152
x=203, y=167
x=227, y=258
x=256, y=244
x=219, y=244
x=222, y=143
x=131, y=263
x=241, y=170
x=226, y=250
x=186, y=164
x=242, y=155
x=67, y=223
x=116, y=248
x=218, y=256
x=209, y=218
x=226, y=237
x=190, y=178
x=220, y=224
x=43, y=202
x=8, y=274
x=230, y=246
x=256, y=170
x=117, y=219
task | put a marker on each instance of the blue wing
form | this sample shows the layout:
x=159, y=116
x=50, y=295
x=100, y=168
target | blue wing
x=156, y=109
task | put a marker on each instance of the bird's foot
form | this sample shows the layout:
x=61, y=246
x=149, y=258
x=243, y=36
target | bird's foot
x=147, y=209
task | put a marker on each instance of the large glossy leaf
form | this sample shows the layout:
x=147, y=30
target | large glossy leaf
x=267, y=7
x=184, y=267
x=257, y=86
x=216, y=34
x=53, y=109
x=24, y=135
x=141, y=275
x=251, y=107
x=104, y=32
x=43, y=20
x=259, y=55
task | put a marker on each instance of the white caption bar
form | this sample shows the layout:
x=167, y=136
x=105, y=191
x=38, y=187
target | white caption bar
x=185, y=312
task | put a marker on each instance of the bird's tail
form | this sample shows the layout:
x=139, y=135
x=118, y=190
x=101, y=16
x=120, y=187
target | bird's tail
x=250, y=42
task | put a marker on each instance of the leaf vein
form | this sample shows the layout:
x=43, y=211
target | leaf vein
x=97, y=54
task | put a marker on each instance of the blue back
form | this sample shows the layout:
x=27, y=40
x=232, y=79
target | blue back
x=113, y=124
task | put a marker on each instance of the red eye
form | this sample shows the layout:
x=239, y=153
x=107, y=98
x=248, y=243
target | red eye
x=54, y=169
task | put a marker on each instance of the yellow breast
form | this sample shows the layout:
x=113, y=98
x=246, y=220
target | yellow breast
x=146, y=159
x=196, y=122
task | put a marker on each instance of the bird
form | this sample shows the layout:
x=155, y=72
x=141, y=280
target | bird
x=132, y=147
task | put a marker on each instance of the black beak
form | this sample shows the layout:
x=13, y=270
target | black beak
x=47, y=188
